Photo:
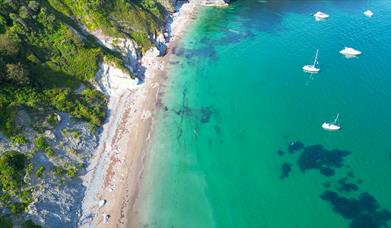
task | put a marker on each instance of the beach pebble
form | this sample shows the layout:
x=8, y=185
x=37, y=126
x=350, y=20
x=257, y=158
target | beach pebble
x=106, y=218
x=102, y=202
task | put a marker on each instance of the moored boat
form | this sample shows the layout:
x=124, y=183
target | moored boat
x=332, y=126
x=368, y=13
x=320, y=16
x=312, y=68
x=348, y=51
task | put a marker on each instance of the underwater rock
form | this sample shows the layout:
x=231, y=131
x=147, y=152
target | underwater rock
x=316, y=157
x=295, y=146
x=205, y=115
x=350, y=174
x=349, y=187
x=364, y=211
x=328, y=172
x=280, y=152
x=286, y=169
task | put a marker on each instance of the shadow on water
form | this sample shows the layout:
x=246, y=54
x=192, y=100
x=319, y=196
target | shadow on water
x=363, y=211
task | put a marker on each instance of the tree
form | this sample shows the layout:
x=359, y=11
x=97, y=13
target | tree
x=17, y=73
x=8, y=46
x=12, y=170
x=34, y=6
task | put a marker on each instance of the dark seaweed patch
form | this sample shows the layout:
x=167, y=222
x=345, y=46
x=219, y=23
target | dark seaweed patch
x=328, y=172
x=280, y=152
x=207, y=51
x=295, y=146
x=350, y=174
x=364, y=211
x=316, y=157
x=348, y=187
x=286, y=169
x=205, y=115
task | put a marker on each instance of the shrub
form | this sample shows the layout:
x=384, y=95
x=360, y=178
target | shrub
x=18, y=140
x=40, y=143
x=30, y=224
x=49, y=152
x=12, y=170
x=5, y=222
x=39, y=171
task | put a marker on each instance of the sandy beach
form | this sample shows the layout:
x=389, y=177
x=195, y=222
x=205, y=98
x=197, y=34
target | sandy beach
x=118, y=165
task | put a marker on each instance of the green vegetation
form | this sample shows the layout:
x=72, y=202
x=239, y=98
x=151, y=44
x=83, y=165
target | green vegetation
x=18, y=140
x=39, y=171
x=135, y=19
x=45, y=56
x=5, y=222
x=30, y=224
x=42, y=61
x=12, y=171
x=41, y=144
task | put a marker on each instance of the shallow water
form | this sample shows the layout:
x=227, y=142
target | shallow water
x=238, y=141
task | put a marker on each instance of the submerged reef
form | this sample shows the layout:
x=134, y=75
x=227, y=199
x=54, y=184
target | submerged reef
x=317, y=157
x=363, y=211
x=286, y=169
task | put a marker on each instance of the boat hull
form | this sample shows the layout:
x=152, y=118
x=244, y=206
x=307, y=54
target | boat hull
x=310, y=69
x=330, y=127
x=350, y=53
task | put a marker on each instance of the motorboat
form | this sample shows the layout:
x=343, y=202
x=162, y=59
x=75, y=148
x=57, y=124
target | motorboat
x=348, y=51
x=320, y=16
x=312, y=68
x=368, y=13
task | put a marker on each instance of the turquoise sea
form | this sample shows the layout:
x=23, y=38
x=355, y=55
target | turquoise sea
x=238, y=139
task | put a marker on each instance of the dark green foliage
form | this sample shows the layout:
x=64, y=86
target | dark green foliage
x=5, y=222
x=117, y=18
x=18, y=140
x=59, y=171
x=40, y=56
x=13, y=194
x=39, y=171
x=41, y=144
x=12, y=170
x=30, y=224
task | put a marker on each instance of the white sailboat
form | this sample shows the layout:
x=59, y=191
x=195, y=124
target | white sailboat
x=312, y=68
x=332, y=126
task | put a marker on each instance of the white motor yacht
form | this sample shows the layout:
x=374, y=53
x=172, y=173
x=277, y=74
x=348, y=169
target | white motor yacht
x=368, y=13
x=350, y=51
x=320, y=16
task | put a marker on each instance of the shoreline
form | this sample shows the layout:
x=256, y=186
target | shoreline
x=117, y=168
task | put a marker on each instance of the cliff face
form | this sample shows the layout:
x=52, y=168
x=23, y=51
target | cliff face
x=50, y=109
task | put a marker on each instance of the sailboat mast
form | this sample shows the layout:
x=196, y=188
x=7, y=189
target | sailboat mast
x=316, y=57
x=336, y=119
